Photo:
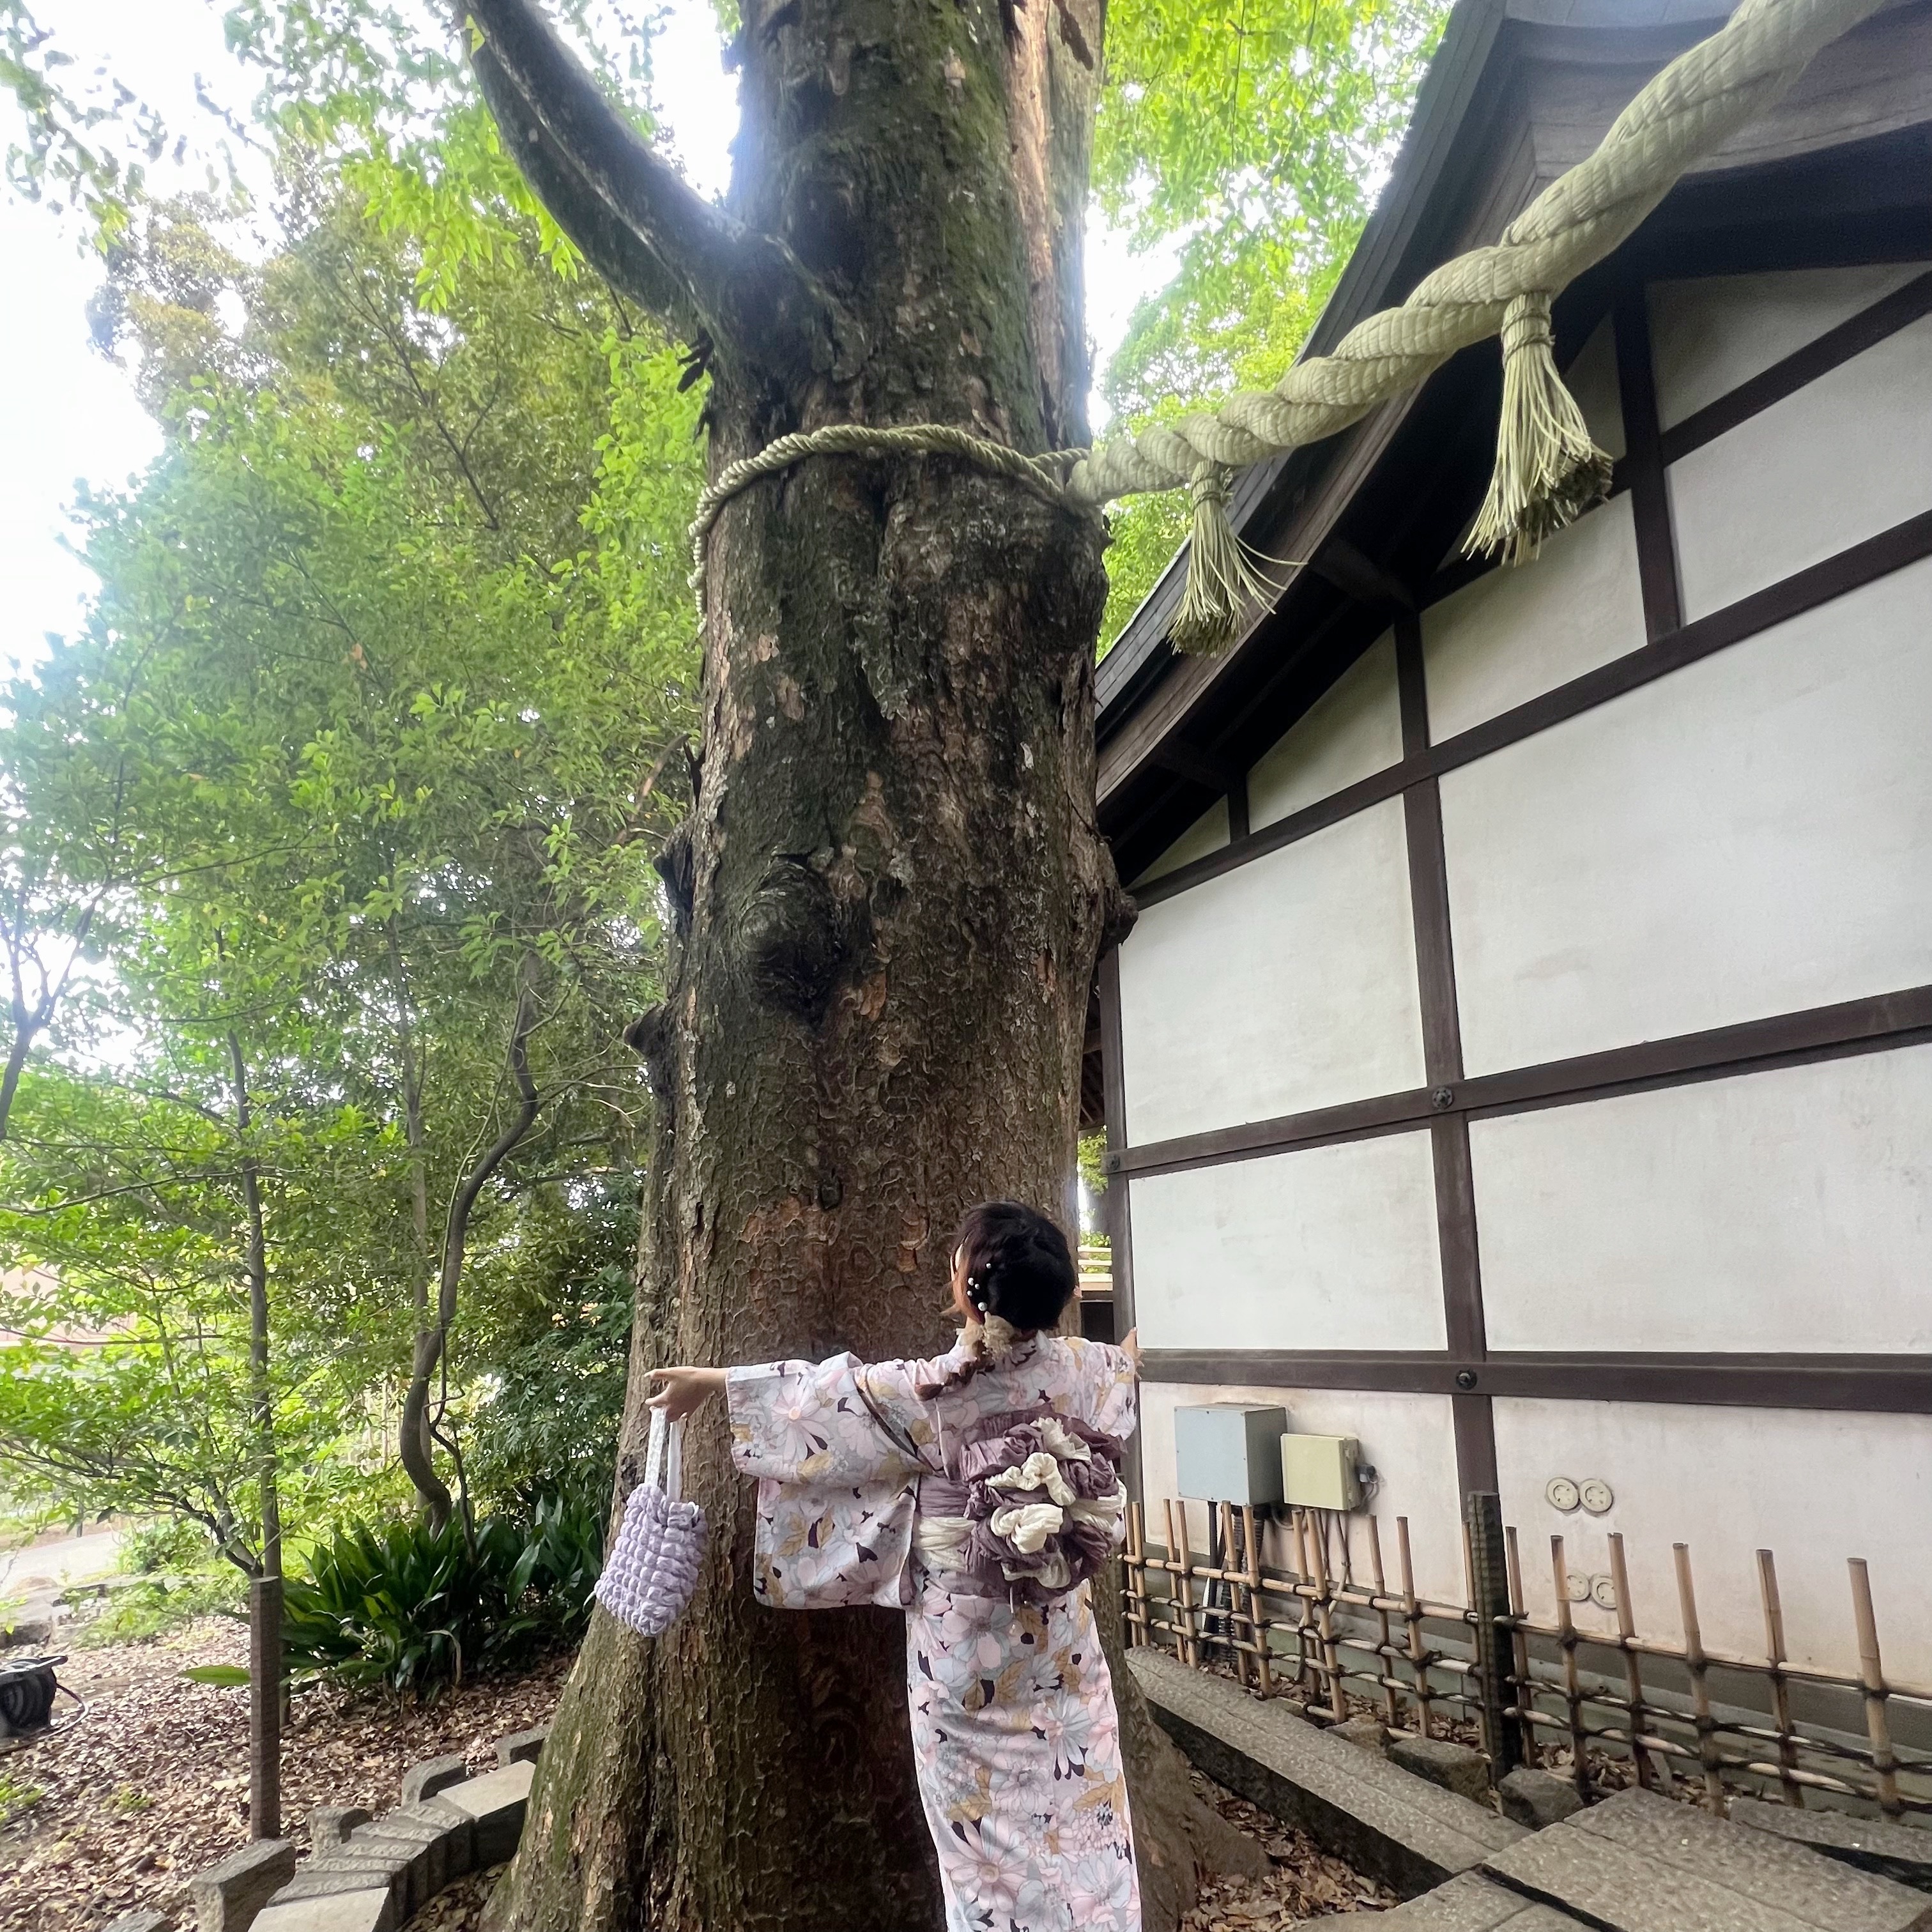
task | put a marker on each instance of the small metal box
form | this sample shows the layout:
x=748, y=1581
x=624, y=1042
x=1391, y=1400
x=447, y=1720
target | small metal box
x=1319, y=1472
x=1226, y=1452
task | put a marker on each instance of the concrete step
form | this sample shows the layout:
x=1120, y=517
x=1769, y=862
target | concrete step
x=1473, y=1904
x=1900, y=1852
x=1639, y=1862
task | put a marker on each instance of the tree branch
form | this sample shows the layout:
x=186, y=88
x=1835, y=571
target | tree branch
x=636, y=218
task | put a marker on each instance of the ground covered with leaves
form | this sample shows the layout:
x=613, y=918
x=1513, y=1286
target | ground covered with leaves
x=1304, y=1882
x=123, y=1804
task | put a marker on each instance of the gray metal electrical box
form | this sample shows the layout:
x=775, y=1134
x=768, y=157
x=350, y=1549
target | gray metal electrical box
x=1226, y=1452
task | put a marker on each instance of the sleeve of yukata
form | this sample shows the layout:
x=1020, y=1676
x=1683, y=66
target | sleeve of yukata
x=837, y=1494
x=819, y=1423
x=1115, y=1391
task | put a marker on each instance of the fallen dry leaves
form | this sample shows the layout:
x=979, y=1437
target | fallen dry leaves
x=151, y=1785
x=1305, y=1882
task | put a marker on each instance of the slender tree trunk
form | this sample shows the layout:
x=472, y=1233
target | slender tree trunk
x=264, y=1591
x=414, y=1449
x=417, y=1433
x=887, y=900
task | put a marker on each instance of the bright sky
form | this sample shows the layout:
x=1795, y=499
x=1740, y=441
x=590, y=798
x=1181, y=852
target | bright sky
x=67, y=414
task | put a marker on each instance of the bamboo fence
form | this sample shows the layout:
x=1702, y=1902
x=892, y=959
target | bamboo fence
x=1331, y=1629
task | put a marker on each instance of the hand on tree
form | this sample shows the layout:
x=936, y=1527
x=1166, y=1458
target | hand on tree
x=1131, y=1347
x=680, y=1392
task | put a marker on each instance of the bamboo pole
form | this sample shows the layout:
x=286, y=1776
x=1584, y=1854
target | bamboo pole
x=1331, y=1661
x=1885, y=1763
x=1698, y=1663
x=1780, y=1692
x=1223, y=1591
x=1411, y=1617
x=1391, y=1712
x=1566, y=1636
x=1633, y=1672
x=1257, y=1613
x=1135, y=1592
x=1525, y=1691
x=1178, y=1551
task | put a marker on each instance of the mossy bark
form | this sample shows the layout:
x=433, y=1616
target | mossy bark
x=887, y=900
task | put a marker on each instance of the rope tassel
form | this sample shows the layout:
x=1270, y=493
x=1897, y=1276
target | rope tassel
x=1223, y=584
x=1548, y=469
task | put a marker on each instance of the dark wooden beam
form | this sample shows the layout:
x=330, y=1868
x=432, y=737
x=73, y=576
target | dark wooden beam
x=1360, y=576
x=1643, y=462
x=1849, y=1027
x=1882, y=1385
x=1198, y=767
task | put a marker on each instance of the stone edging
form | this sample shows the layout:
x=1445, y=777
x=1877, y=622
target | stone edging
x=365, y=1874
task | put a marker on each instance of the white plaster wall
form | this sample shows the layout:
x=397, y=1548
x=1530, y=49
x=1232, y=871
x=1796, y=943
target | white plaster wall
x=1353, y=730
x=1514, y=634
x=1208, y=833
x=1287, y=983
x=1750, y=835
x=1592, y=379
x=1846, y=457
x=1324, y=1247
x=1786, y=1210
x=1410, y=1440
x=1813, y=1486
x=1707, y=337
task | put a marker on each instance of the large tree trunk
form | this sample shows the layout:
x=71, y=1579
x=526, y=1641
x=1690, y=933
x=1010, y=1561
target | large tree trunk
x=888, y=898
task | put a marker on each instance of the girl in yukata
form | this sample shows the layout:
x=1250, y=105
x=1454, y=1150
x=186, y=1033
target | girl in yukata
x=980, y=1491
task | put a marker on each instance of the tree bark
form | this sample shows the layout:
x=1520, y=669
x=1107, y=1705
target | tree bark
x=886, y=901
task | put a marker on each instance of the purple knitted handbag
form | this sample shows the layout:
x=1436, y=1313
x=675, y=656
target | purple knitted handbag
x=652, y=1568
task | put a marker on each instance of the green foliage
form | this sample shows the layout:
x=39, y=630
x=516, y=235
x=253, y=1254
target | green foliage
x=156, y=1605
x=18, y=1796
x=166, y=1544
x=1093, y=1149
x=362, y=740
x=1257, y=134
x=410, y=1609
x=549, y=1376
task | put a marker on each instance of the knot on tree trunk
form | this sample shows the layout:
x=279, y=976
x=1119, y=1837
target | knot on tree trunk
x=676, y=865
x=648, y=1036
x=790, y=942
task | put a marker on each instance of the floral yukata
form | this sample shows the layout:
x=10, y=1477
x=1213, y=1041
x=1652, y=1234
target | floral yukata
x=1014, y=1729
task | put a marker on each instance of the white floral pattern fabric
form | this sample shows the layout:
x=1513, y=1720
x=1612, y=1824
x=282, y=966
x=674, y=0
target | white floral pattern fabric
x=1013, y=1724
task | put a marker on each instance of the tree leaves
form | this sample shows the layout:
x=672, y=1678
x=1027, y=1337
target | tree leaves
x=1257, y=131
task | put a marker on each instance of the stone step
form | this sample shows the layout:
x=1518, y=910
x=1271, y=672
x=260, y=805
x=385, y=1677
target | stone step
x=1639, y=1862
x=495, y=1803
x=1472, y=1904
x=1386, y=1822
x=338, y=1911
x=228, y=1896
x=1900, y=1852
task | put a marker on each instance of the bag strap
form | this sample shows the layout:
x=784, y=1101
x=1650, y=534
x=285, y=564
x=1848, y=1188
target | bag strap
x=666, y=1444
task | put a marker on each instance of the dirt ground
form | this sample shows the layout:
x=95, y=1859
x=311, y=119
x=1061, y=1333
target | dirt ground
x=1304, y=1883
x=150, y=1784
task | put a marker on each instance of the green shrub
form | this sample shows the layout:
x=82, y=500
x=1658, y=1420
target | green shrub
x=167, y=1542
x=412, y=1609
x=155, y=1605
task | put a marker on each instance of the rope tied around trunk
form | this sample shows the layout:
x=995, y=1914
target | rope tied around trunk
x=1548, y=471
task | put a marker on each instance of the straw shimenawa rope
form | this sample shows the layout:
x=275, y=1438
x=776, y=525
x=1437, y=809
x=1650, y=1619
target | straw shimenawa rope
x=1548, y=469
